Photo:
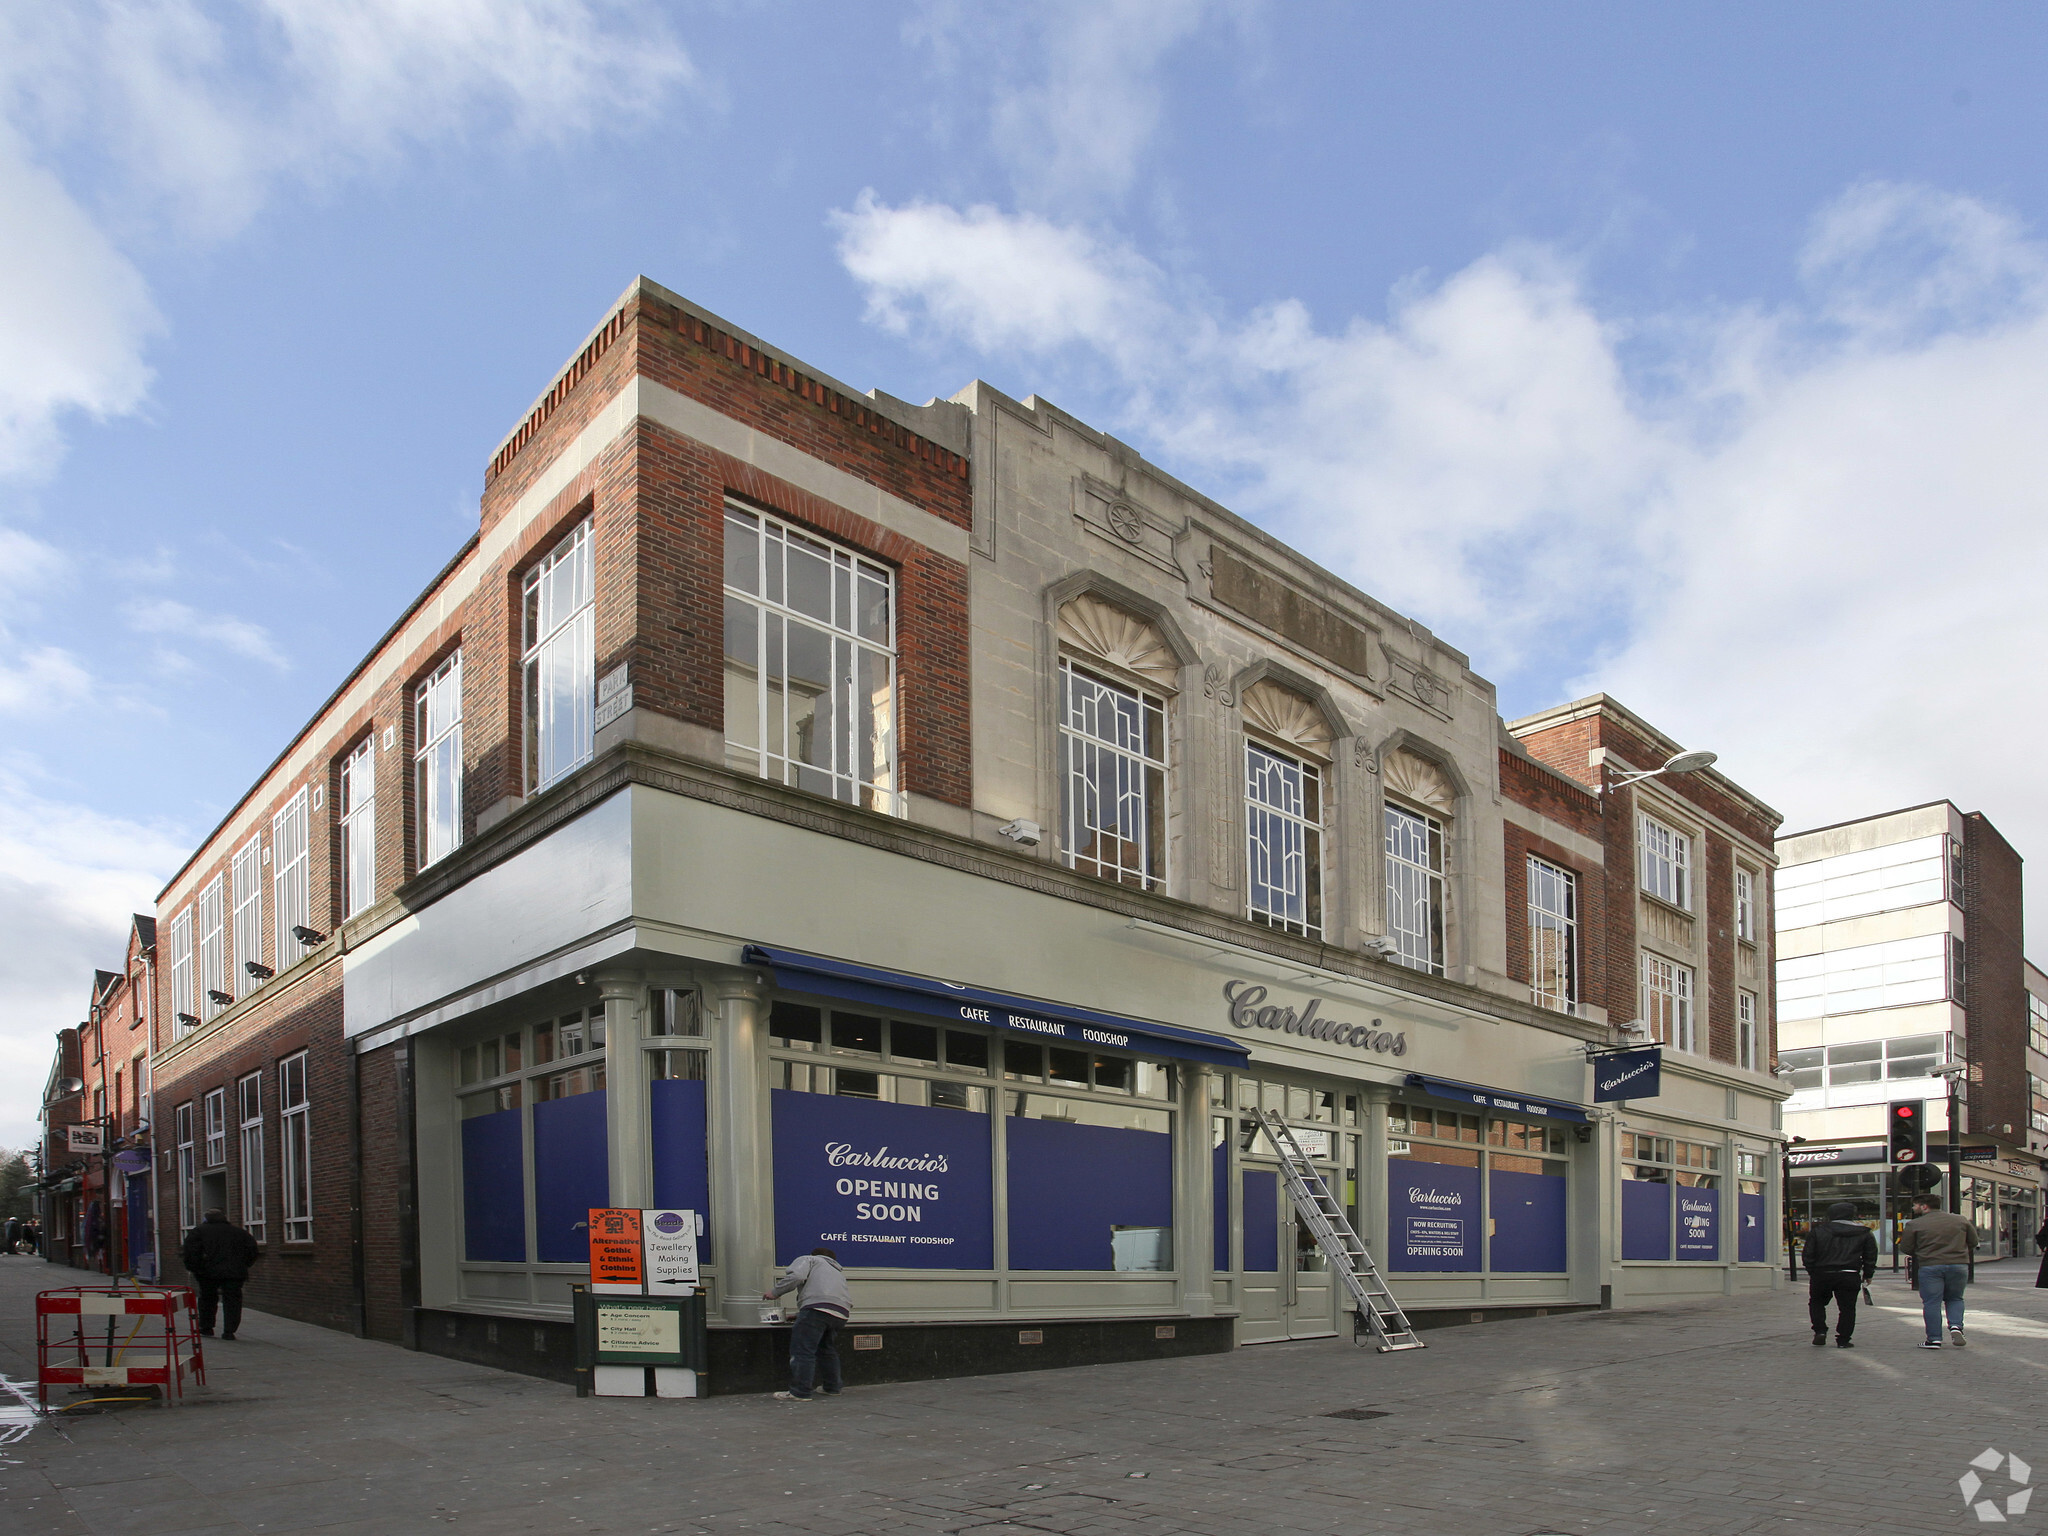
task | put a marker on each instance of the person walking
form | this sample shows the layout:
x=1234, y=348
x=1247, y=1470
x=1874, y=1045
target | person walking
x=823, y=1305
x=2041, y=1242
x=1940, y=1245
x=219, y=1255
x=13, y=1235
x=1840, y=1258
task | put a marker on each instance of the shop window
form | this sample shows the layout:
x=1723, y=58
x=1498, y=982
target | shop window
x=966, y=1051
x=1415, y=888
x=859, y=1033
x=1112, y=774
x=914, y=1042
x=672, y=1012
x=558, y=660
x=1023, y=1059
x=795, y=1025
x=810, y=663
x=1670, y=1188
x=1283, y=802
x=571, y=1035
x=1439, y=1161
x=1090, y=1184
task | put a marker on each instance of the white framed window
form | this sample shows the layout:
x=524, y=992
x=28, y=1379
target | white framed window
x=1958, y=969
x=1667, y=1002
x=2037, y=1023
x=559, y=660
x=1283, y=814
x=359, y=828
x=1112, y=772
x=213, y=945
x=1553, y=936
x=249, y=1112
x=1746, y=1054
x=1745, y=904
x=1865, y=1061
x=1665, y=859
x=1415, y=888
x=215, y=1110
x=184, y=993
x=291, y=876
x=1957, y=886
x=248, y=878
x=437, y=762
x=295, y=1131
x=810, y=663
x=188, y=1170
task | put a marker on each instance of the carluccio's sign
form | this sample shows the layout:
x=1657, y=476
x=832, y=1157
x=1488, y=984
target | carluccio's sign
x=1250, y=1010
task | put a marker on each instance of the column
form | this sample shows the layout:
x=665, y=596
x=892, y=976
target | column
x=631, y=1151
x=742, y=1195
x=1193, y=1238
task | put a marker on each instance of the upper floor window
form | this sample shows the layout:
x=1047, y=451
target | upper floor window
x=1956, y=885
x=291, y=876
x=215, y=1105
x=359, y=828
x=248, y=877
x=213, y=947
x=1958, y=969
x=249, y=1107
x=1415, y=888
x=810, y=663
x=1553, y=936
x=1283, y=801
x=560, y=659
x=2037, y=1024
x=1745, y=904
x=1666, y=859
x=1667, y=1002
x=1746, y=1053
x=437, y=762
x=1112, y=772
x=184, y=994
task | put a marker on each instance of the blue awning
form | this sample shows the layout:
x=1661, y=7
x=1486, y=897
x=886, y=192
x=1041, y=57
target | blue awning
x=1495, y=1098
x=900, y=992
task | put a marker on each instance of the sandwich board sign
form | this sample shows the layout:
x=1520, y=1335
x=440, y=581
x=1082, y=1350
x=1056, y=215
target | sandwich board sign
x=652, y=1252
x=615, y=1250
x=669, y=1241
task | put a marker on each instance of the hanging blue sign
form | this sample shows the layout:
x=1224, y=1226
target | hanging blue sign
x=1636, y=1074
x=896, y=1186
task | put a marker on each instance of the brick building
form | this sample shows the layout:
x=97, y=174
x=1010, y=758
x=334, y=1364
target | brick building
x=786, y=781
x=1900, y=941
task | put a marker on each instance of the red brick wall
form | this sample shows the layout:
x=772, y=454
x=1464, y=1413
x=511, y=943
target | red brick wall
x=1996, y=997
x=390, y=1268
x=1564, y=748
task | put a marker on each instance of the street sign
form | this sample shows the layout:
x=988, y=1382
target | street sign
x=615, y=1249
x=669, y=1239
x=86, y=1138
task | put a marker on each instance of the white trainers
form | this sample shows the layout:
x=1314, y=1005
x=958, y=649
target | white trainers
x=1955, y=1337
x=790, y=1397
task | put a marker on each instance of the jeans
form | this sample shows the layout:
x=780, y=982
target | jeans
x=228, y=1295
x=1840, y=1286
x=813, y=1352
x=1939, y=1284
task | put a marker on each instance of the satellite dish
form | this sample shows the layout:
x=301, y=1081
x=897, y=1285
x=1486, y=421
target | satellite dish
x=68, y=1086
x=1691, y=762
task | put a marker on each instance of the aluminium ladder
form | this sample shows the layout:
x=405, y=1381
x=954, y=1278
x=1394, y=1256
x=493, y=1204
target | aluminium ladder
x=1324, y=1217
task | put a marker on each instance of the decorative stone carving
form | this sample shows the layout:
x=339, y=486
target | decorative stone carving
x=1216, y=685
x=1287, y=717
x=1419, y=780
x=1126, y=521
x=1123, y=640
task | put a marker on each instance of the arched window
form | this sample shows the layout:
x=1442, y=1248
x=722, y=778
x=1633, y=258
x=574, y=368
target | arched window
x=1115, y=671
x=1415, y=858
x=1286, y=756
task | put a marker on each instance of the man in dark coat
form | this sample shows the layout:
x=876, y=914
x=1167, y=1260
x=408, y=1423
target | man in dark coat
x=219, y=1254
x=1840, y=1258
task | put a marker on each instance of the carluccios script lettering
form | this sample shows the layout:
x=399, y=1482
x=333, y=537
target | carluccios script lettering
x=881, y=1192
x=1616, y=1079
x=1434, y=1196
x=1249, y=1010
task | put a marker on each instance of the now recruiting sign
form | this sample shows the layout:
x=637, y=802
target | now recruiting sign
x=895, y=1186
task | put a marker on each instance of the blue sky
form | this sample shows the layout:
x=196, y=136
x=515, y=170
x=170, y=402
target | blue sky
x=1692, y=353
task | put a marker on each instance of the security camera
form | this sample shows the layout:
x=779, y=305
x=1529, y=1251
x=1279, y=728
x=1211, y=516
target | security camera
x=1020, y=831
x=1951, y=1069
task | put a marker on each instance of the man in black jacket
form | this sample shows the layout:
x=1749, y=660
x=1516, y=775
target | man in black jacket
x=1841, y=1256
x=219, y=1253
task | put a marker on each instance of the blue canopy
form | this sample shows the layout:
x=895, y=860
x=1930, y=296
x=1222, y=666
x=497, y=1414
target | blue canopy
x=1495, y=1098
x=900, y=992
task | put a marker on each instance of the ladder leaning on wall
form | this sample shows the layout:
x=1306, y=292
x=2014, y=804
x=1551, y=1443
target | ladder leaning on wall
x=1324, y=1217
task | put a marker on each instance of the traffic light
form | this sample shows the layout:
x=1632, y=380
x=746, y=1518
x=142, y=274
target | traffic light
x=1908, y=1131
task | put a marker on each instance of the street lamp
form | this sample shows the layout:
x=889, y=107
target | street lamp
x=1684, y=762
x=1954, y=1072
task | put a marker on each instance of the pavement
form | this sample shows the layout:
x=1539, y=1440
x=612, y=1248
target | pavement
x=1695, y=1419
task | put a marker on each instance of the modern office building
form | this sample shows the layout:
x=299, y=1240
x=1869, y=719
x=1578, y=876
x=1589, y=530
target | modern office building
x=1899, y=950
x=929, y=831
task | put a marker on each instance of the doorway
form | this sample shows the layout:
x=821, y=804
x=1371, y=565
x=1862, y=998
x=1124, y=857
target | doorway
x=213, y=1193
x=1289, y=1291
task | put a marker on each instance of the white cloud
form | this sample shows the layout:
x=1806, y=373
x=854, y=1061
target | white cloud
x=162, y=616
x=1811, y=539
x=69, y=881
x=42, y=680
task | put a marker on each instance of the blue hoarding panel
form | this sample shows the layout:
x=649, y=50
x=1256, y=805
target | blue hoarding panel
x=1432, y=1215
x=1699, y=1223
x=1528, y=1211
x=1070, y=1185
x=1219, y=1215
x=494, y=1188
x=1261, y=1221
x=1749, y=1233
x=897, y=1186
x=571, y=1175
x=1645, y=1219
x=682, y=1165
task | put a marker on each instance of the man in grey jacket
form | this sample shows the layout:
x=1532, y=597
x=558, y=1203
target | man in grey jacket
x=823, y=1305
x=1940, y=1245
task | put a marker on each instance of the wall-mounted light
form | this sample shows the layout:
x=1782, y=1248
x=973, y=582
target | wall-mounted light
x=1027, y=833
x=260, y=972
x=220, y=999
x=308, y=936
x=1684, y=762
x=188, y=1020
x=1382, y=946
